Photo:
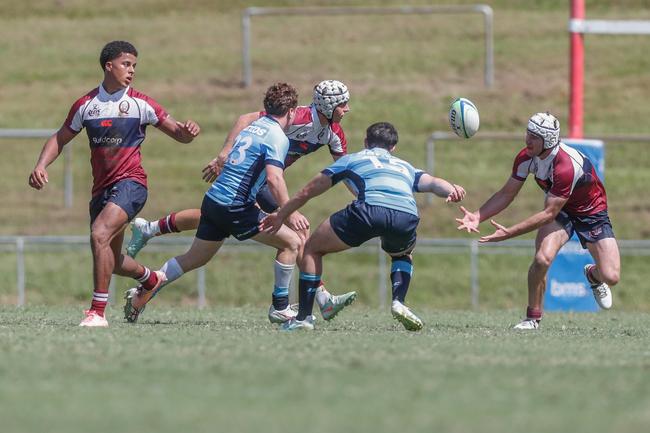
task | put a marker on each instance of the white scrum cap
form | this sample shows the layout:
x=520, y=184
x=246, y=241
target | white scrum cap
x=546, y=126
x=328, y=95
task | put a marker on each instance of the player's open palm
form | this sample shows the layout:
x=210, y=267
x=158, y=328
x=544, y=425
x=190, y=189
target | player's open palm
x=469, y=221
x=212, y=170
x=500, y=234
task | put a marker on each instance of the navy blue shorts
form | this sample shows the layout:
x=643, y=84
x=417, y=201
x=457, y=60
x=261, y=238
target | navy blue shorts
x=589, y=229
x=218, y=222
x=265, y=199
x=127, y=194
x=360, y=222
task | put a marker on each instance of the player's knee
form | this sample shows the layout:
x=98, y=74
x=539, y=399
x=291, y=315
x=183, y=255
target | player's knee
x=295, y=244
x=100, y=236
x=611, y=276
x=542, y=261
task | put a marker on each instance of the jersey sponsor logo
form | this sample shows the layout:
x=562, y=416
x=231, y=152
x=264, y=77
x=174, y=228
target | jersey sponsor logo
x=124, y=108
x=256, y=130
x=94, y=112
x=106, y=123
x=107, y=141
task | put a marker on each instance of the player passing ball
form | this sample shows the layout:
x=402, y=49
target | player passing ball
x=575, y=202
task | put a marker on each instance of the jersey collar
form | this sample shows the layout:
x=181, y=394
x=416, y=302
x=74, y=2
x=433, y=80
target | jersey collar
x=379, y=151
x=315, y=120
x=105, y=96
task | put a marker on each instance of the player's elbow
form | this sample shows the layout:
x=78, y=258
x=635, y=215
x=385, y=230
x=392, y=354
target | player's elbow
x=274, y=180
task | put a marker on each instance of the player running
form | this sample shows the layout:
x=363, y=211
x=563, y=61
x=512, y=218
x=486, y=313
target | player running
x=313, y=127
x=575, y=202
x=229, y=208
x=115, y=117
x=385, y=207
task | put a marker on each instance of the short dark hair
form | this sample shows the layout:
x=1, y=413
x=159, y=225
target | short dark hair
x=279, y=98
x=112, y=50
x=381, y=134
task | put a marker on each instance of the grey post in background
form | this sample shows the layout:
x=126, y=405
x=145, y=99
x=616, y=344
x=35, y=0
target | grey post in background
x=401, y=10
x=67, y=156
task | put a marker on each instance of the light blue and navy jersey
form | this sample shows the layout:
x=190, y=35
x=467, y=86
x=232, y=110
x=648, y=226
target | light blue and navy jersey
x=379, y=178
x=260, y=143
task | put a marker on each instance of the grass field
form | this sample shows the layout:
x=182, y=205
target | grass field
x=229, y=370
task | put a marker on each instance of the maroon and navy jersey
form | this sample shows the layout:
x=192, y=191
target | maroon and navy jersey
x=307, y=135
x=565, y=173
x=116, y=125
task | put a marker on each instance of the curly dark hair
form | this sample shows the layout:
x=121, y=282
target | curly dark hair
x=381, y=134
x=279, y=98
x=113, y=50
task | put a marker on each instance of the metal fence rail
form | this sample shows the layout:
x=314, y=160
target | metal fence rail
x=67, y=156
x=437, y=136
x=22, y=244
x=483, y=9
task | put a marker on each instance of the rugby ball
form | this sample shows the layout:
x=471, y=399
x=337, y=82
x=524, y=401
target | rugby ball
x=463, y=118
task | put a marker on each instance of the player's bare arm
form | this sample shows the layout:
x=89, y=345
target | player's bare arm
x=552, y=207
x=318, y=185
x=442, y=188
x=179, y=131
x=51, y=150
x=493, y=206
x=278, y=188
x=212, y=170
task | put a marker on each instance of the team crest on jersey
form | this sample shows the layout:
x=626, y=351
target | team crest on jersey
x=94, y=112
x=124, y=108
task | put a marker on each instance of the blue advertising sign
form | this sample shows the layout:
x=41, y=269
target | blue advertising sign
x=567, y=288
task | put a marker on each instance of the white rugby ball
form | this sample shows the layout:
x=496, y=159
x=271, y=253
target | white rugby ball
x=463, y=118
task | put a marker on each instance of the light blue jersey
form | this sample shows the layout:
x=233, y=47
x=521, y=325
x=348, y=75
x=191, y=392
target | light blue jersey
x=379, y=178
x=260, y=143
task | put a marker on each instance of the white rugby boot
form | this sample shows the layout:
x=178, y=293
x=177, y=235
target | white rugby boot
x=299, y=325
x=94, y=320
x=140, y=235
x=405, y=316
x=281, y=316
x=601, y=291
x=334, y=303
x=527, y=325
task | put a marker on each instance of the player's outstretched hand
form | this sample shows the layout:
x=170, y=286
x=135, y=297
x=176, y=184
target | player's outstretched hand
x=38, y=178
x=500, y=234
x=271, y=223
x=189, y=130
x=297, y=222
x=456, y=195
x=211, y=171
x=469, y=221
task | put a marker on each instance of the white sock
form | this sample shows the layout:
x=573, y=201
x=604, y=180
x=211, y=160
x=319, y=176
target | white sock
x=153, y=228
x=283, y=273
x=322, y=296
x=172, y=270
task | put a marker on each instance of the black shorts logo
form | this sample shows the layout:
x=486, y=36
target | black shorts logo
x=596, y=232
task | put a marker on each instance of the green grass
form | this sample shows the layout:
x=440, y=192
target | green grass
x=229, y=370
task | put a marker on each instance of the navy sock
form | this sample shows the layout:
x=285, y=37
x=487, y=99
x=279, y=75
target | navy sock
x=307, y=286
x=400, y=276
x=280, y=302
